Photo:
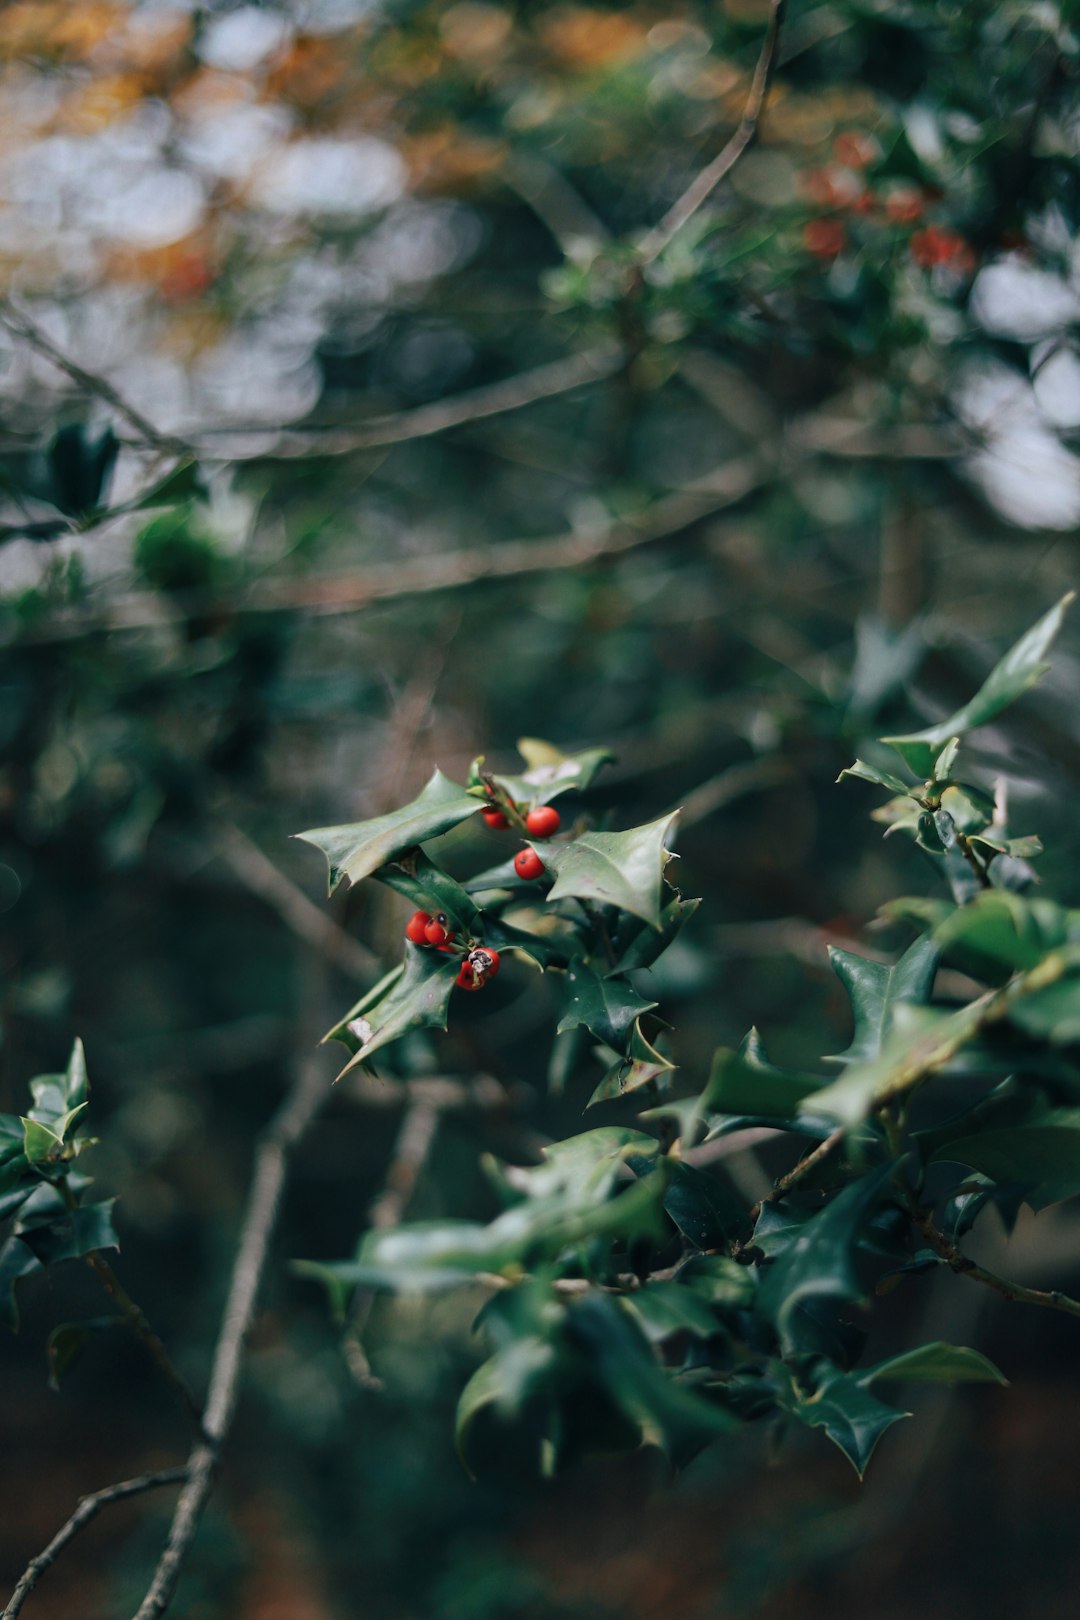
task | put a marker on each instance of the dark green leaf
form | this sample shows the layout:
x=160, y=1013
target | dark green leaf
x=504, y=1384
x=870, y=773
x=609, y=1007
x=357, y=850
x=623, y=869
x=737, y=1085
x=429, y=888
x=549, y=773
x=665, y=1308
x=648, y=945
x=875, y=988
x=417, y=999
x=820, y=1263
x=852, y=1418
x=668, y=1415
x=641, y=1066
x=16, y=1261
x=705, y=1207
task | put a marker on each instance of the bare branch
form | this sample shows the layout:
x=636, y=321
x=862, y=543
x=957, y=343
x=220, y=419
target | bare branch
x=510, y=559
x=20, y=325
x=1050, y=1298
x=475, y=405
x=706, y=182
x=313, y=925
x=89, y=1507
x=260, y=1219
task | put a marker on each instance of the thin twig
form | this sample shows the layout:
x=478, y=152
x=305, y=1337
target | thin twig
x=474, y=405
x=706, y=182
x=89, y=1507
x=140, y=1326
x=1052, y=1299
x=20, y=325
x=263, y=878
x=803, y=1168
x=414, y=1142
x=260, y=1218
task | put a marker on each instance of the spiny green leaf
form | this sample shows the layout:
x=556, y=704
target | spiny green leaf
x=417, y=999
x=916, y=1033
x=870, y=773
x=548, y=775
x=641, y=1066
x=647, y=945
x=705, y=1207
x=737, y=1085
x=609, y=1007
x=357, y=850
x=503, y=1384
x=875, y=988
x=623, y=869
x=936, y=1363
x=852, y=1418
x=820, y=1262
x=1022, y=666
x=429, y=888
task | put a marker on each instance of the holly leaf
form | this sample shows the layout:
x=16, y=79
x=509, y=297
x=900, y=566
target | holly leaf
x=665, y=1308
x=357, y=850
x=915, y=1032
x=705, y=1207
x=415, y=875
x=548, y=775
x=852, y=1418
x=870, y=773
x=741, y=1084
x=623, y=869
x=641, y=1066
x=820, y=1262
x=875, y=988
x=16, y=1261
x=1039, y=1153
x=1051, y=1014
x=503, y=1385
x=1022, y=666
x=417, y=997
x=609, y=1007
x=648, y=944
x=936, y=1363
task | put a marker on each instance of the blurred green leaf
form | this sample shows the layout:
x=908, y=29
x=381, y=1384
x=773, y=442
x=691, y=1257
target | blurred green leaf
x=936, y=1363
x=1022, y=666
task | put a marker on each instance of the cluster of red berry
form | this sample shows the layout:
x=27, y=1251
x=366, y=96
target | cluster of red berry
x=543, y=821
x=478, y=962
x=841, y=188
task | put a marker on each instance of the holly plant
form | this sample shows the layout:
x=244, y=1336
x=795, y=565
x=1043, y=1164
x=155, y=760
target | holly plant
x=633, y=1295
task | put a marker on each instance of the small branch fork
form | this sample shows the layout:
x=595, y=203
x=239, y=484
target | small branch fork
x=89, y=1507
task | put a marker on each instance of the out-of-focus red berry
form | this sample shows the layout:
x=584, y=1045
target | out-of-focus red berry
x=824, y=238
x=416, y=926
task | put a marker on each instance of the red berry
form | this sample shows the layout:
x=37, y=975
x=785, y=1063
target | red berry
x=416, y=926
x=824, y=238
x=495, y=818
x=543, y=821
x=437, y=932
x=855, y=150
x=935, y=246
x=467, y=979
x=904, y=205
x=483, y=962
x=527, y=864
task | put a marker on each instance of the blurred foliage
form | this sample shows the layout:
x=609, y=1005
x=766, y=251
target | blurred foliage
x=818, y=465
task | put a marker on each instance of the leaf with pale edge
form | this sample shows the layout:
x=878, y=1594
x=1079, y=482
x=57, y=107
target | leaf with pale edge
x=936, y=1363
x=418, y=998
x=357, y=850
